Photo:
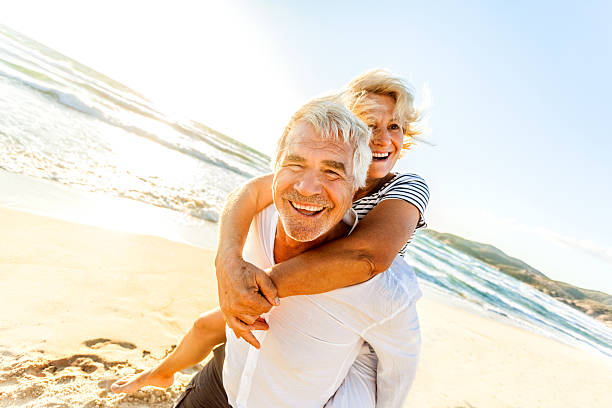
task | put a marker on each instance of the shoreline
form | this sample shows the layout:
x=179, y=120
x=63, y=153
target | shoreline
x=83, y=306
x=452, y=302
x=58, y=201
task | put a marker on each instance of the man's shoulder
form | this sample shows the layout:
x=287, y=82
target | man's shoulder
x=267, y=213
x=259, y=245
x=380, y=297
x=265, y=221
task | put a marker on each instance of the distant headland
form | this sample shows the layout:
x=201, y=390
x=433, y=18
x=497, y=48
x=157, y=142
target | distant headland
x=593, y=303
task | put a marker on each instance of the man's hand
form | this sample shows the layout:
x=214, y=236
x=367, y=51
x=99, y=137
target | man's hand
x=245, y=292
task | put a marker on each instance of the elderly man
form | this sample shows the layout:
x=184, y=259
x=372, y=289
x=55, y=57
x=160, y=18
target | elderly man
x=313, y=341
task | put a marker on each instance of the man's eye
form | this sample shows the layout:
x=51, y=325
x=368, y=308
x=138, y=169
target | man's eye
x=293, y=166
x=394, y=126
x=332, y=174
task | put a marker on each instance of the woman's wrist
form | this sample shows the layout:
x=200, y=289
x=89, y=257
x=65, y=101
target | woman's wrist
x=226, y=257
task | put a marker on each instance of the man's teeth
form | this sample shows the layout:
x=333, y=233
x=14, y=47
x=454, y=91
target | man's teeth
x=380, y=155
x=313, y=208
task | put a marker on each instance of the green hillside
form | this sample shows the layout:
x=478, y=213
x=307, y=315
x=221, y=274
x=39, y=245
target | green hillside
x=594, y=303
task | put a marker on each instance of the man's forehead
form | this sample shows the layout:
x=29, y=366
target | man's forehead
x=304, y=139
x=298, y=158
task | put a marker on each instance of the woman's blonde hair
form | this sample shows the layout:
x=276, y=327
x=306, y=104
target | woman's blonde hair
x=382, y=82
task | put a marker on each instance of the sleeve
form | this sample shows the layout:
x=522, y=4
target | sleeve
x=410, y=188
x=397, y=343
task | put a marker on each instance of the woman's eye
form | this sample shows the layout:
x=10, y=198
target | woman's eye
x=294, y=166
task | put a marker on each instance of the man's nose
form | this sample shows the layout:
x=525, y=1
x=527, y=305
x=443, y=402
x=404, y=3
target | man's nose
x=309, y=184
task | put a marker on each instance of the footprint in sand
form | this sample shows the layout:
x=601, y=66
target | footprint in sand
x=99, y=343
x=7, y=353
x=106, y=383
x=88, y=363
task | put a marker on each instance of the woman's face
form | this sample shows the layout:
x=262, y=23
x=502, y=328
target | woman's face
x=387, y=135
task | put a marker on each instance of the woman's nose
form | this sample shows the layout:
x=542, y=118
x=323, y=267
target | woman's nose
x=381, y=137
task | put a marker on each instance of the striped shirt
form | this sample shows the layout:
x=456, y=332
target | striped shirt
x=408, y=187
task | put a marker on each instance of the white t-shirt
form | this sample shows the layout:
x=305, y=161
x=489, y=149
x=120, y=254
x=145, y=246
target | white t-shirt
x=313, y=340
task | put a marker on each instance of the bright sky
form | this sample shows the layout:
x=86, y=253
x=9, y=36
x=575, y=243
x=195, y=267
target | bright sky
x=520, y=96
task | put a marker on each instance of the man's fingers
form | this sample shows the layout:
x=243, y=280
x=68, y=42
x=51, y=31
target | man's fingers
x=267, y=287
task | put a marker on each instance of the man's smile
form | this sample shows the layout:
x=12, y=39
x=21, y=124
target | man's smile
x=307, y=209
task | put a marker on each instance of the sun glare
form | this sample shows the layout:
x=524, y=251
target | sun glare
x=188, y=57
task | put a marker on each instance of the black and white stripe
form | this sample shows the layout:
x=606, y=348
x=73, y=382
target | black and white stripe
x=408, y=187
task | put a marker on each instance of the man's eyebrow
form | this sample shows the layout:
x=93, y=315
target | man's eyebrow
x=294, y=158
x=335, y=165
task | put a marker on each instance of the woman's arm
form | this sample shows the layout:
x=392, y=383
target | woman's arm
x=240, y=208
x=368, y=251
x=245, y=291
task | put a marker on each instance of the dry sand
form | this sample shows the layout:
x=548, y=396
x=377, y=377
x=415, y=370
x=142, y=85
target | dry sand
x=82, y=306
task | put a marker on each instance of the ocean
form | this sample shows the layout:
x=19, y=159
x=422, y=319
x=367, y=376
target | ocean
x=71, y=135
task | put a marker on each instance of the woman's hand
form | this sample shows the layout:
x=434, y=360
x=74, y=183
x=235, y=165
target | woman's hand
x=245, y=293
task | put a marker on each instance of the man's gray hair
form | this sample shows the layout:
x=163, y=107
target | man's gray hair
x=332, y=120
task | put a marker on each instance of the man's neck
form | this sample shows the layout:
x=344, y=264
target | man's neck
x=286, y=248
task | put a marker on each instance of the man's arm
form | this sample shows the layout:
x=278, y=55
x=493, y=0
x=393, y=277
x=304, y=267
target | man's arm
x=397, y=343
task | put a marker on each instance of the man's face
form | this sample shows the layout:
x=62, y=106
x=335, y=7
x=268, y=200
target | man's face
x=313, y=186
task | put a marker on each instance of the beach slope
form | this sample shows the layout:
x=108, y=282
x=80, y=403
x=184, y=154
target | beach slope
x=81, y=306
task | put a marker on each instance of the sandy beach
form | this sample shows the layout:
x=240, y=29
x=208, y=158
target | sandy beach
x=82, y=306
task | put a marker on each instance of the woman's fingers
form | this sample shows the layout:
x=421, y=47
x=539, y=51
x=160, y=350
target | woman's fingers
x=267, y=287
x=241, y=330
